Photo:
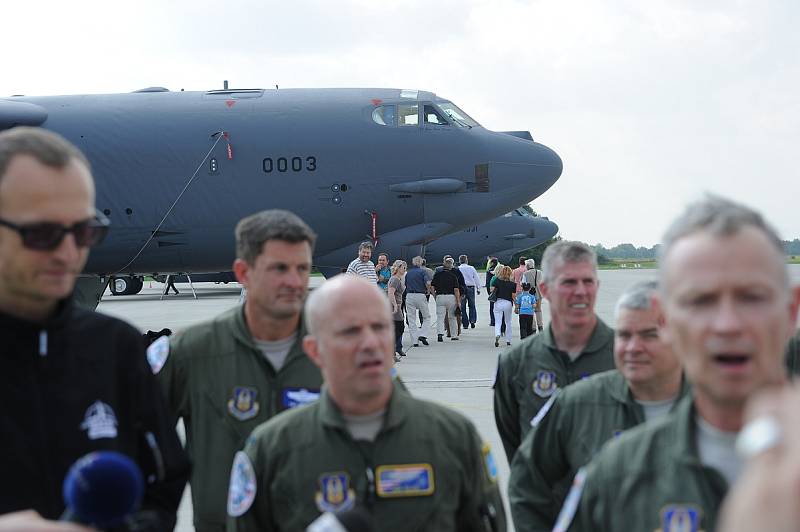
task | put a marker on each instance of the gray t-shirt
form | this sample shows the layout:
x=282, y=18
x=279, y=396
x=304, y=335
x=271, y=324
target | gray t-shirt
x=364, y=427
x=277, y=351
x=399, y=288
x=717, y=449
x=656, y=409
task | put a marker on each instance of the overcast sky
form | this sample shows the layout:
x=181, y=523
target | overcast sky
x=649, y=103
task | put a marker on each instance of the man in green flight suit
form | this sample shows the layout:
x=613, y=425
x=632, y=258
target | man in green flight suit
x=574, y=425
x=364, y=447
x=226, y=376
x=729, y=312
x=575, y=345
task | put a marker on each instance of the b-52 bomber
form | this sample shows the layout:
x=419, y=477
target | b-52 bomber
x=175, y=171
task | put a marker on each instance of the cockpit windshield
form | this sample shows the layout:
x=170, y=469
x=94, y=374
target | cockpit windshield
x=521, y=212
x=457, y=115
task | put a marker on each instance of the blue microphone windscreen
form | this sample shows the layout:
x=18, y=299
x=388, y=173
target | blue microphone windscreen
x=103, y=488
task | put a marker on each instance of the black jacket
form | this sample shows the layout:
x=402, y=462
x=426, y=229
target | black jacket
x=78, y=383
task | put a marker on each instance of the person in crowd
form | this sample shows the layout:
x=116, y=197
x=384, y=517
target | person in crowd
x=472, y=285
x=524, y=306
x=362, y=265
x=395, y=290
x=227, y=375
x=383, y=272
x=72, y=381
x=365, y=446
x=418, y=288
x=446, y=290
x=729, y=311
x=579, y=419
x=575, y=345
x=504, y=290
x=532, y=276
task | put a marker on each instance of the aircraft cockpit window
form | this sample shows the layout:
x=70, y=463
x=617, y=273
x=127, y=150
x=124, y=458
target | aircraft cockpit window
x=509, y=214
x=384, y=115
x=407, y=115
x=434, y=116
x=457, y=115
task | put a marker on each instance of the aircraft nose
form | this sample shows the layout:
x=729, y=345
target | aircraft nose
x=546, y=228
x=522, y=168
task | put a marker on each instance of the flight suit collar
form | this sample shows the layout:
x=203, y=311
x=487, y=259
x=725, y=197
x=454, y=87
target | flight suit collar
x=620, y=390
x=597, y=341
x=242, y=334
x=396, y=410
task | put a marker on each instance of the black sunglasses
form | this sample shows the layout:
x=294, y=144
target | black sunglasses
x=47, y=236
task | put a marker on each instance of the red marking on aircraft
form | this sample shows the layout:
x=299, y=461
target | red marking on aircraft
x=376, y=101
x=230, y=103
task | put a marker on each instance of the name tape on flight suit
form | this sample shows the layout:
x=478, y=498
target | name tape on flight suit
x=407, y=480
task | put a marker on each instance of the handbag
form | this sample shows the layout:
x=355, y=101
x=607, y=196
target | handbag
x=493, y=297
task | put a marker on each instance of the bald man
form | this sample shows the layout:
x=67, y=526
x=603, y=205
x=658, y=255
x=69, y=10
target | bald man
x=364, y=446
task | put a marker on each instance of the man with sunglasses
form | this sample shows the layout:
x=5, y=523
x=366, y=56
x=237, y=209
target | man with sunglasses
x=72, y=381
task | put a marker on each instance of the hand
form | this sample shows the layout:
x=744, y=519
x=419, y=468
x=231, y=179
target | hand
x=31, y=521
x=766, y=493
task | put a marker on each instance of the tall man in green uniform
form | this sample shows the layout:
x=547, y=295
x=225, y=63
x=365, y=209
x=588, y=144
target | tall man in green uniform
x=575, y=345
x=364, y=446
x=729, y=311
x=573, y=426
x=227, y=376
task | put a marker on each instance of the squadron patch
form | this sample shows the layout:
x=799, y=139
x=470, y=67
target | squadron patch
x=242, y=486
x=545, y=383
x=680, y=518
x=489, y=463
x=243, y=404
x=100, y=421
x=335, y=493
x=407, y=480
x=571, y=502
x=157, y=354
x=294, y=397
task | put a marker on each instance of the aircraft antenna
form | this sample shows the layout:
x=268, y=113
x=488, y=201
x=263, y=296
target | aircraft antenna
x=225, y=84
x=220, y=135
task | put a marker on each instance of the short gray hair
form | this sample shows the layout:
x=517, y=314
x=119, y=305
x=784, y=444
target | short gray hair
x=562, y=252
x=720, y=217
x=48, y=148
x=417, y=261
x=366, y=245
x=275, y=224
x=448, y=263
x=530, y=264
x=638, y=296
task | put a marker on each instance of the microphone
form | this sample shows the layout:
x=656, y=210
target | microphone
x=355, y=520
x=101, y=489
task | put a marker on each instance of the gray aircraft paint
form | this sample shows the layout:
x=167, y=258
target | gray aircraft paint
x=316, y=152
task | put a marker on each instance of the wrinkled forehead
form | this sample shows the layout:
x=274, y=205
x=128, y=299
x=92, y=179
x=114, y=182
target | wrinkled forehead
x=29, y=186
x=704, y=258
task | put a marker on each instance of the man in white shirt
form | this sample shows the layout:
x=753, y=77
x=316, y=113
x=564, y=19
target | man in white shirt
x=473, y=284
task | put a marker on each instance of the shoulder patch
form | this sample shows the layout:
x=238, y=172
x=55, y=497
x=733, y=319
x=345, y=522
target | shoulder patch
x=567, y=512
x=157, y=354
x=489, y=463
x=544, y=410
x=242, y=486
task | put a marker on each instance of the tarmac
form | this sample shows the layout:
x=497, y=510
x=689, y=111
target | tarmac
x=458, y=374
